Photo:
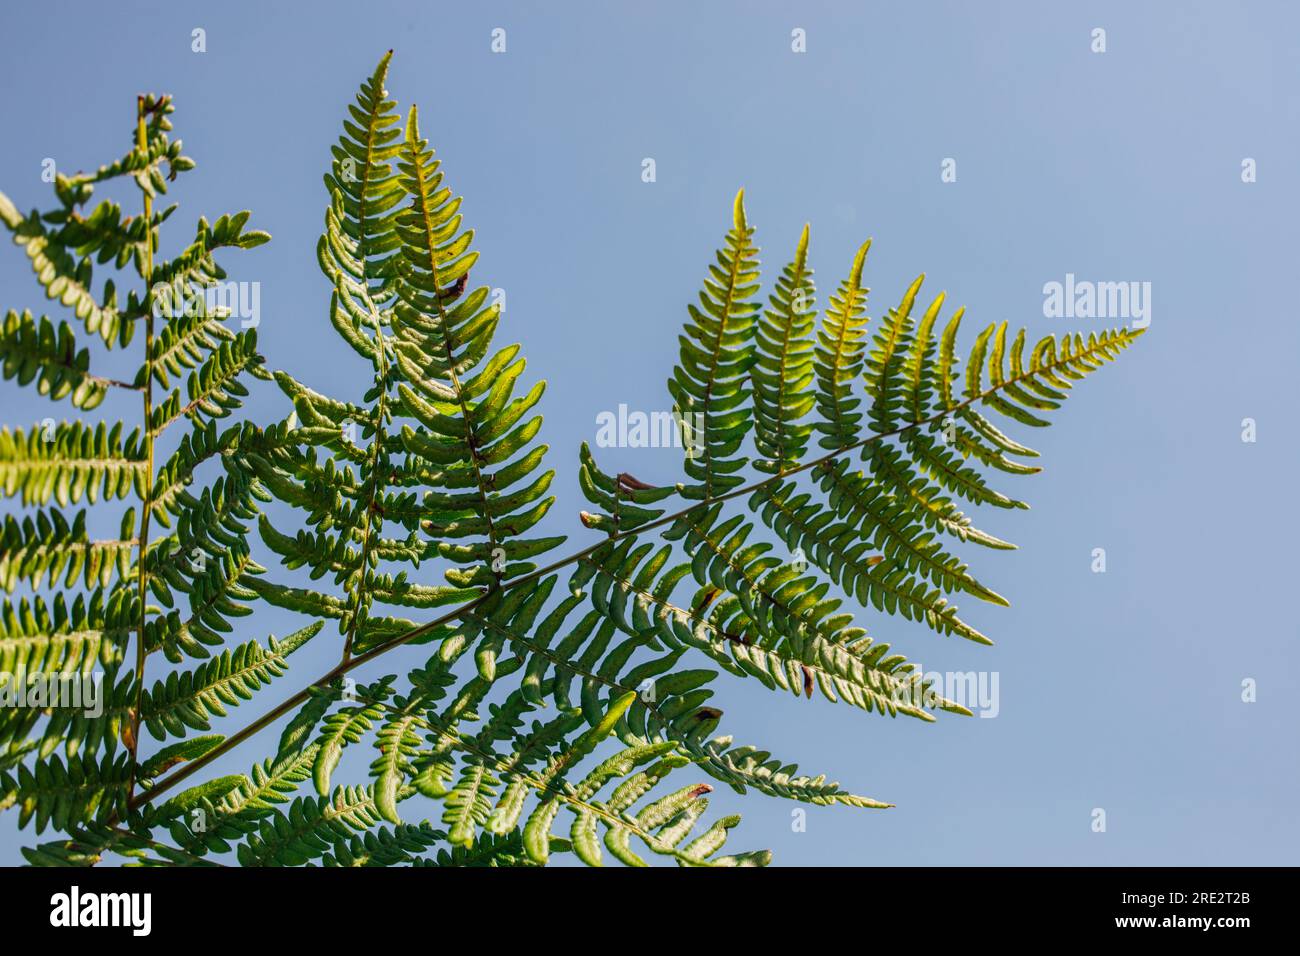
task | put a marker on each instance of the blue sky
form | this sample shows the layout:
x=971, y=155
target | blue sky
x=1120, y=690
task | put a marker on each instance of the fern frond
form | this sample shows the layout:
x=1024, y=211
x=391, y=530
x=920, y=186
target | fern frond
x=62, y=636
x=66, y=794
x=46, y=544
x=90, y=843
x=69, y=461
x=190, y=699
x=362, y=175
x=489, y=850
x=838, y=358
x=400, y=845
x=660, y=825
x=213, y=821
x=195, y=268
x=436, y=472
x=310, y=829
x=206, y=557
x=622, y=498
x=39, y=350
x=64, y=276
x=470, y=423
x=709, y=385
x=183, y=342
x=215, y=594
x=83, y=731
x=214, y=389
x=783, y=373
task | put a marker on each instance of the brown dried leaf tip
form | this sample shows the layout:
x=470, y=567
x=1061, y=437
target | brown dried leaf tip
x=633, y=484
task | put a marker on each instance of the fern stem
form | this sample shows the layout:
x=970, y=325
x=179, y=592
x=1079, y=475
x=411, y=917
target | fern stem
x=114, y=383
x=344, y=666
x=141, y=651
x=376, y=448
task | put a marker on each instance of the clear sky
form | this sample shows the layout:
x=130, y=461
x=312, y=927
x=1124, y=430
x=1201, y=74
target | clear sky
x=1119, y=691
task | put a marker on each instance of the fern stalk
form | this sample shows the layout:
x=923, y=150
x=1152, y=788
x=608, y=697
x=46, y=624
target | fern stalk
x=143, y=535
x=146, y=509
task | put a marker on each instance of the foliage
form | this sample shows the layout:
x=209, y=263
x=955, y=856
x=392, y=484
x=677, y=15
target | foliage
x=554, y=697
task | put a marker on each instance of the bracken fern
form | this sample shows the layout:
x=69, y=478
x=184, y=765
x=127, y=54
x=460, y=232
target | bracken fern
x=557, y=695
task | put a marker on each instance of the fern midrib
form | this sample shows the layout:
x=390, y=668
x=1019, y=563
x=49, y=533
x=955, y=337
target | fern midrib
x=923, y=350
x=95, y=784
x=146, y=507
x=376, y=445
x=394, y=759
x=82, y=634
x=889, y=369
x=70, y=547
x=363, y=193
x=28, y=465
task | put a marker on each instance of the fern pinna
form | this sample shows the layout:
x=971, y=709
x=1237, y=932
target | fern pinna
x=87, y=607
x=555, y=696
